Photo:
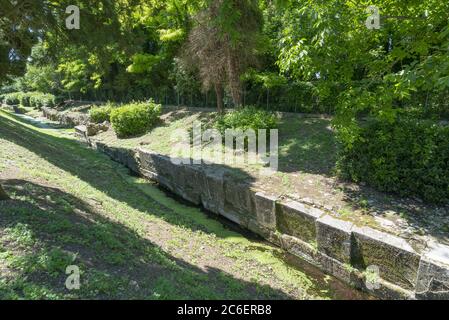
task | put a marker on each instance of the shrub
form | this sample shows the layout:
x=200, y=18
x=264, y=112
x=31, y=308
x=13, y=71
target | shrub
x=25, y=99
x=12, y=98
x=39, y=100
x=134, y=118
x=247, y=118
x=102, y=113
x=407, y=157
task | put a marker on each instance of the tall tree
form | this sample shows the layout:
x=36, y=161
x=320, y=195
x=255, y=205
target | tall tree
x=223, y=44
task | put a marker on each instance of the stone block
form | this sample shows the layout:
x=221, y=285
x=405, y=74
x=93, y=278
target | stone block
x=81, y=131
x=334, y=238
x=433, y=273
x=300, y=249
x=297, y=220
x=341, y=271
x=212, y=195
x=266, y=233
x=147, y=166
x=396, y=259
x=188, y=182
x=266, y=210
x=238, y=197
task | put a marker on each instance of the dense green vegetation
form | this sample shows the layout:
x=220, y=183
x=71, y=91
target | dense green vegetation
x=134, y=118
x=289, y=55
x=247, y=118
x=101, y=114
x=29, y=99
x=406, y=157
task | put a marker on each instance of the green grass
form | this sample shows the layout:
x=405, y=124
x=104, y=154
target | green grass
x=73, y=206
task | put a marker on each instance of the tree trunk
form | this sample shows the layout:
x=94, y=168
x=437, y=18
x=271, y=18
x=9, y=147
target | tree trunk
x=219, y=93
x=3, y=195
x=234, y=78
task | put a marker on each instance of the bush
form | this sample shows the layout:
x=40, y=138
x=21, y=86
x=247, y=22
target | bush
x=407, y=157
x=247, y=118
x=12, y=98
x=102, y=113
x=134, y=118
x=39, y=100
x=30, y=99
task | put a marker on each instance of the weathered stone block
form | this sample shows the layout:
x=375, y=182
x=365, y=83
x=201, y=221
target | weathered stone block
x=298, y=220
x=396, y=259
x=266, y=210
x=130, y=159
x=157, y=167
x=213, y=195
x=299, y=249
x=94, y=128
x=166, y=171
x=264, y=232
x=147, y=166
x=238, y=197
x=188, y=183
x=81, y=131
x=340, y=270
x=334, y=238
x=433, y=273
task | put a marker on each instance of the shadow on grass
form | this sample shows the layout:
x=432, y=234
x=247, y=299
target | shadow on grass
x=97, y=170
x=43, y=230
x=306, y=145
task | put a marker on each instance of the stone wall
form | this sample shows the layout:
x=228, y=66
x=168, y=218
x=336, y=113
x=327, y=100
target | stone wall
x=337, y=247
x=70, y=119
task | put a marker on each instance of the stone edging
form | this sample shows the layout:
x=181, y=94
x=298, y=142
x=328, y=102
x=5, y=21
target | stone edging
x=337, y=247
x=65, y=118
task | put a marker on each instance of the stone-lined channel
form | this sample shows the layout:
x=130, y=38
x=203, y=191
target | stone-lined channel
x=321, y=281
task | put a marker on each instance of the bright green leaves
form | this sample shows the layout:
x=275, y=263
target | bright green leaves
x=143, y=63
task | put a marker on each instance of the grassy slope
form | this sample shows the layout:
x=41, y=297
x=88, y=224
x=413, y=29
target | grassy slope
x=73, y=206
x=307, y=157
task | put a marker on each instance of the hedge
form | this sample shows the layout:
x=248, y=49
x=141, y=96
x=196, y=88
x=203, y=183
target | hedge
x=135, y=118
x=30, y=99
x=246, y=118
x=100, y=114
x=407, y=157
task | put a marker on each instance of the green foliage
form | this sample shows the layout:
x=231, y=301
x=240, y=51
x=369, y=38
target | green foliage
x=143, y=63
x=39, y=100
x=102, y=113
x=247, y=118
x=408, y=157
x=30, y=99
x=12, y=98
x=135, y=118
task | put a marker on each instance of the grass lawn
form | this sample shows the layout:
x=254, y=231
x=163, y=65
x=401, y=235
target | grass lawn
x=73, y=206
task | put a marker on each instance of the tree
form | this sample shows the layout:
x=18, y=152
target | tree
x=3, y=195
x=223, y=45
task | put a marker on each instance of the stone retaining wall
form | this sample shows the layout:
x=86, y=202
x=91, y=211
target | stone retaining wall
x=70, y=119
x=337, y=247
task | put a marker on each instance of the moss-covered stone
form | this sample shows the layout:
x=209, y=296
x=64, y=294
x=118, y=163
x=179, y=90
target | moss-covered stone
x=396, y=259
x=433, y=273
x=334, y=238
x=297, y=220
x=266, y=210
